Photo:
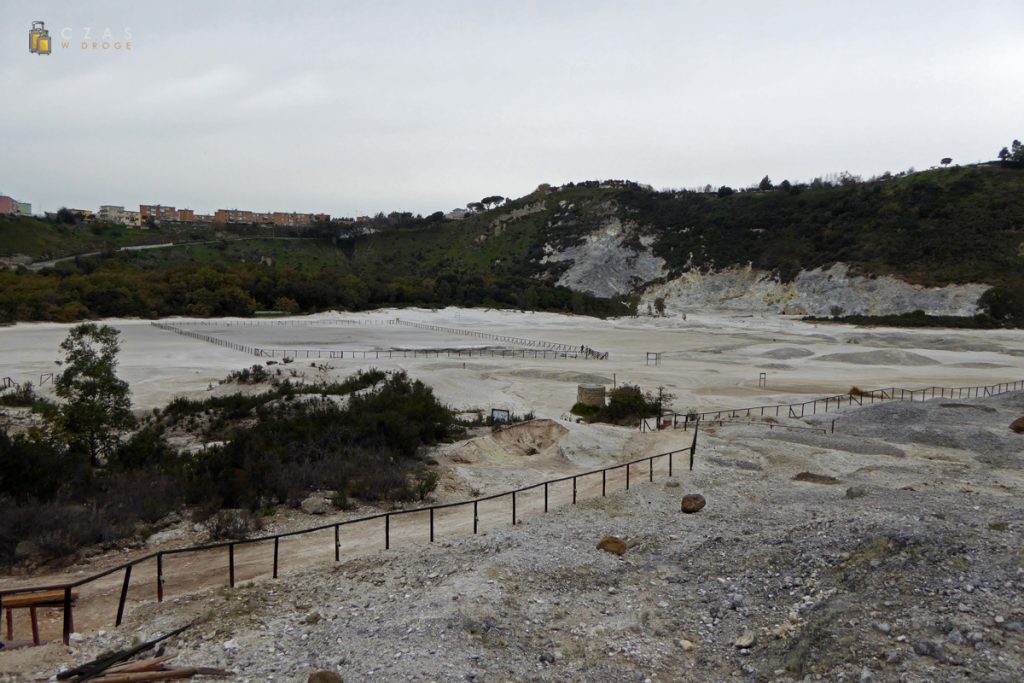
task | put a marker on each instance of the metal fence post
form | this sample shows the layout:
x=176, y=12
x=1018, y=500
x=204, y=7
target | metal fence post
x=159, y=577
x=513, y=508
x=277, y=544
x=337, y=543
x=627, y=476
x=69, y=620
x=476, y=517
x=124, y=594
x=231, y=564
x=431, y=524
x=387, y=531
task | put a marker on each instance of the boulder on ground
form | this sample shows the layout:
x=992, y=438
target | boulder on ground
x=746, y=640
x=1018, y=425
x=693, y=502
x=612, y=544
x=812, y=478
x=325, y=677
x=856, y=492
x=315, y=505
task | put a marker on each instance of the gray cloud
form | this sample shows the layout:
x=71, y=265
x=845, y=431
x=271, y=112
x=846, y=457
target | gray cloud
x=353, y=107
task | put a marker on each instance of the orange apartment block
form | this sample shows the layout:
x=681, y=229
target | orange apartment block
x=164, y=214
x=233, y=216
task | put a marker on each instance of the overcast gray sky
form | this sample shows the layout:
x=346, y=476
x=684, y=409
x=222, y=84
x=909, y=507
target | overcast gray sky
x=354, y=107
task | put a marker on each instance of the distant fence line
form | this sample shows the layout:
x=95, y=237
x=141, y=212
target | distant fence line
x=430, y=511
x=10, y=383
x=583, y=350
x=823, y=405
x=549, y=350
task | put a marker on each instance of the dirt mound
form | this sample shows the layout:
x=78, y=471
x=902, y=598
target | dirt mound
x=516, y=441
x=887, y=357
x=787, y=353
x=530, y=438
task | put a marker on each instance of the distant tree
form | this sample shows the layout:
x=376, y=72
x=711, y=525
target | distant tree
x=286, y=304
x=493, y=200
x=96, y=404
x=785, y=186
x=659, y=306
x=766, y=184
x=1017, y=152
x=475, y=207
x=725, y=191
x=1004, y=155
x=946, y=161
x=65, y=216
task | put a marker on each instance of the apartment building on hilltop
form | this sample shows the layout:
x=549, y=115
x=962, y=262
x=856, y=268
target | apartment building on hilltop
x=9, y=206
x=118, y=214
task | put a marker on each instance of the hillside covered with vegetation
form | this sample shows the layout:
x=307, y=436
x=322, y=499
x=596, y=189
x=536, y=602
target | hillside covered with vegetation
x=937, y=227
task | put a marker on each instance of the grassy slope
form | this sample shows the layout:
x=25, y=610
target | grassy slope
x=42, y=239
x=936, y=227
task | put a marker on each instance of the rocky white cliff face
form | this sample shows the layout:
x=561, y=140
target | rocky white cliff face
x=604, y=266
x=813, y=292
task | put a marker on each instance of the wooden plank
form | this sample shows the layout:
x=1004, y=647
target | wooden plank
x=38, y=599
x=97, y=666
x=146, y=676
x=141, y=665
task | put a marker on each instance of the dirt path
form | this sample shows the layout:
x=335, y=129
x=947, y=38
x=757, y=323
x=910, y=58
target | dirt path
x=193, y=572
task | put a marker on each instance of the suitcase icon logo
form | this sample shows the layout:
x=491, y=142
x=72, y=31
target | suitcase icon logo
x=39, y=39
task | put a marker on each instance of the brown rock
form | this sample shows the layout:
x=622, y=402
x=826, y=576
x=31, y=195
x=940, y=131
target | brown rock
x=813, y=478
x=612, y=544
x=693, y=502
x=325, y=677
x=1018, y=425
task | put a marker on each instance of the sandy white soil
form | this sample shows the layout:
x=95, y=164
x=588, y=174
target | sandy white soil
x=496, y=604
x=708, y=361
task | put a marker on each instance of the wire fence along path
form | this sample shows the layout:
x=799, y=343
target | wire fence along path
x=264, y=556
x=539, y=350
x=582, y=350
x=823, y=405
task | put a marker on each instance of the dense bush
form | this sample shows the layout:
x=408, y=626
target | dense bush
x=276, y=451
x=626, y=405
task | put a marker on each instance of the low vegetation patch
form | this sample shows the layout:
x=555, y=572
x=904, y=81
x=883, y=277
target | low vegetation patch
x=61, y=490
x=626, y=405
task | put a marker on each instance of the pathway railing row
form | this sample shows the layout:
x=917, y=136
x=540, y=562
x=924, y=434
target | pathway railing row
x=285, y=323
x=631, y=469
x=373, y=354
x=833, y=403
x=582, y=350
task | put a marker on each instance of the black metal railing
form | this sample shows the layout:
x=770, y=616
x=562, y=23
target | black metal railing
x=544, y=350
x=430, y=511
x=833, y=403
